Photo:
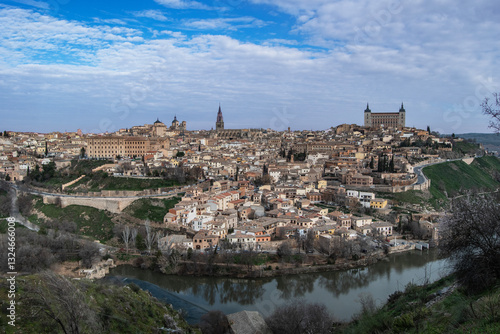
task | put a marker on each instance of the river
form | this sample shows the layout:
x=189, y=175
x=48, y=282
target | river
x=338, y=290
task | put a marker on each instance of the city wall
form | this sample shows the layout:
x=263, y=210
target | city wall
x=114, y=205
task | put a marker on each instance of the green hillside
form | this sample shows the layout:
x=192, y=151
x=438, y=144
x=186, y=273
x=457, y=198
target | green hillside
x=453, y=178
x=59, y=305
x=88, y=221
x=435, y=308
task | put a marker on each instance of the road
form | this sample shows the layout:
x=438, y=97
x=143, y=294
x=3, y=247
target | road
x=14, y=212
x=418, y=170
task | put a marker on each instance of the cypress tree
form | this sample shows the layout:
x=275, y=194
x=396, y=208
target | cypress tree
x=391, y=165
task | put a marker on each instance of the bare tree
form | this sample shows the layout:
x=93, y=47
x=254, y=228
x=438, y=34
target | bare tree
x=493, y=111
x=299, y=317
x=471, y=238
x=133, y=236
x=88, y=253
x=126, y=236
x=150, y=238
x=309, y=242
x=284, y=251
x=57, y=300
x=159, y=237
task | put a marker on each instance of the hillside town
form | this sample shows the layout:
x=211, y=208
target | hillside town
x=251, y=187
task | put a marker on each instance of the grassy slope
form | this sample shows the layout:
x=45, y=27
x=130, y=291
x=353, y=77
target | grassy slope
x=90, y=221
x=152, y=209
x=77, y=168
x=453, y=177
x=119, y=183
x=4, y=226
x=456, y=313
x=465, y=147
x=120, y=309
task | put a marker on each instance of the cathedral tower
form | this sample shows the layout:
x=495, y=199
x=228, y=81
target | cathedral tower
x=219, y=124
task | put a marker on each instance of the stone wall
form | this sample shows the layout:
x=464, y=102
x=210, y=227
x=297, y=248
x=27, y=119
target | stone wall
x=64, y=186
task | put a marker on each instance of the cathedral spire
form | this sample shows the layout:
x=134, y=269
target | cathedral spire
x=219, y=124
x=402, y=109
x=367, y=108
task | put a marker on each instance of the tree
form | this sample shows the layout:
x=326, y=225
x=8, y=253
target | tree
x=7, y=177
x=309, y=242
x=214, y=322
x=493, y=111
x=299, y=317
x=88, y=253
x=284, y=251
x=60, y=302
x=150, y=238
x=126, y=236
x=428, y=129
x=391, y=165
x=82, y=152
x=46, y=149
x=372, y=165
x=180, y=154
x=471, y=238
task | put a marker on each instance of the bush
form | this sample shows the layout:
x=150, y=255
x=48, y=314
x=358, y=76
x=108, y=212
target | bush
x=215, y=322
x=299, y=317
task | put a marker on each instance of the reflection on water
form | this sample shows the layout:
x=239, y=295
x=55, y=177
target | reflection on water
x=339, y=290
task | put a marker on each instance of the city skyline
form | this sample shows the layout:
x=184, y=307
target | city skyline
x=270, y=63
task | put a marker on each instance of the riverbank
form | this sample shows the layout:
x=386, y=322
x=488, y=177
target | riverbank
x=207, y=267
x=339, y=290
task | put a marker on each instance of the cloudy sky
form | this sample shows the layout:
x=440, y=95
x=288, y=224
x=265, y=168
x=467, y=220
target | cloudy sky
x=308, y=64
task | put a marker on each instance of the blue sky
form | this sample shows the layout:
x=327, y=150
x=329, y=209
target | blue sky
x=308, y=64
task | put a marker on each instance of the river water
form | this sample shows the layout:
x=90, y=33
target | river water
x=340, y=291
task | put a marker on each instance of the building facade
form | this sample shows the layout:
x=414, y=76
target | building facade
x=220, y=132
x=124, y=146
x=385, y=120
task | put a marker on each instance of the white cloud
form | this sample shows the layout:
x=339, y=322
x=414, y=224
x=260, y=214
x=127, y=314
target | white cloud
x=37, y=4
x=152, y=14
x=225, y=23
x=182, y=4
x=437, y=62
x=37, y=35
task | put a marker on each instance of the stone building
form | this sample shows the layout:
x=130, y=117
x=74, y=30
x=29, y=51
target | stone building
x=385, y=119
x=220, y=132
x=124, y=146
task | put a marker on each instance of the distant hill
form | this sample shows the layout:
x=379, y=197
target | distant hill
x=490, y=141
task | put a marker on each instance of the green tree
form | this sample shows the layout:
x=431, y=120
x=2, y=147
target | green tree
x=82, y=152
x=139, y=242
x=7, y=177
x=372, y=163
x=180, y=154
x=46, y=149
x=391, y=165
